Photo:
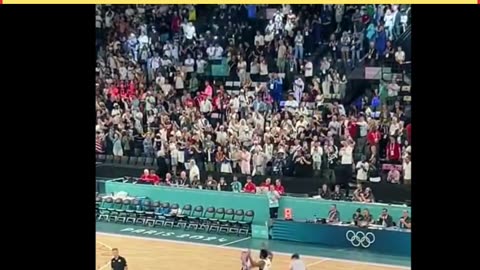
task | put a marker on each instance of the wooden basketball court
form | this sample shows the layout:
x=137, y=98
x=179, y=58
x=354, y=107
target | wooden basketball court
x=145, y=254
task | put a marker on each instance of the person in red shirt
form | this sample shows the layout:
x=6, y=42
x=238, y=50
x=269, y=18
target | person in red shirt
x=176, y=21
x=352, y=127
x=154, y=178
x=374, y=136
x=278, y=187
x=249, y=186
x=266, y=184
x=393, y=150
x=145, y=176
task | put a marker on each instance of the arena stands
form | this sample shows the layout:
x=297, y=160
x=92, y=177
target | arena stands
x=286, y=91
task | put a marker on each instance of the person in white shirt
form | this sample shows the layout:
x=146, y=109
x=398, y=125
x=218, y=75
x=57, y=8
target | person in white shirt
x=362, y=170
x=129, y=12
x=98, y=20
x=296, y=263
x=206, y=106
x=211, y=51
x=254, y=69
x=407, y=171
x=308, y=69
x=291, y=105
x=189, y=31
x=263, y=67
x=269, y=31
x=278, y=20
x=259, y=40
x=400, y=56
x=346, y=161
x=194, y=171
x=299, y=46
x=242, y=70
x=317, y=153
x=189, y=64
x=388, y=19
x=174, y=51
x=201, y=63
x=218, y=51
x=109, y=18
x=298, y=87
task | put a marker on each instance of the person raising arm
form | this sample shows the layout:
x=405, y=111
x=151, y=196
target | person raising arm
x=263, y=263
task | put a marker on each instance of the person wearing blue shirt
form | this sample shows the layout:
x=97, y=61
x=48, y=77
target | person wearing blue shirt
x=276, y=89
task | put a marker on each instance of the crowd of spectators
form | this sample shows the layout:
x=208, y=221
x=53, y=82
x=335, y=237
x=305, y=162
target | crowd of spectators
x=155, y=95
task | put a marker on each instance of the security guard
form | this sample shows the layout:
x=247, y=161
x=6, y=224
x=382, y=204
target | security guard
x=118, y=262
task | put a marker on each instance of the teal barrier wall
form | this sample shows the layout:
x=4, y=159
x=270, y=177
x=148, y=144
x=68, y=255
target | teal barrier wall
x=302, y=208
x=206, y=198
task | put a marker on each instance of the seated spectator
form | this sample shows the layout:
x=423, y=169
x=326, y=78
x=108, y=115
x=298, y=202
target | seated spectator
x=357, y=216
x=367, y=196
x=385, y=219
x=195, y=183
x=211, y=183
x=324, y=192
x=181, y=181
x=222, y=185
x=249, y=186
x=266, y=185
x=405, y=221
x=358, y=193
x=154, y=178
x=278, y=187
x=333, y=214
x=236, y=185
x=145, y=176
x=337, y=195
x=168, y=179
x=365, y=219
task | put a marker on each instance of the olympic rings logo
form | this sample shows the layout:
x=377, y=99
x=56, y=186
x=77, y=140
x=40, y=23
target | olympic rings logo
x=360, y=238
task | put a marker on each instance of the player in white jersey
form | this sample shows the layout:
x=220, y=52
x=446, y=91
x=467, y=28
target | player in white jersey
x=264, y=263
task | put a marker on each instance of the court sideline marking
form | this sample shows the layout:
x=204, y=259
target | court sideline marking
x=233, y=242
x=236, y=248
x=107, y=246
x=317, y=262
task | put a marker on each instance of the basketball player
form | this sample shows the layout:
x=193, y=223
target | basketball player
x=264, y=263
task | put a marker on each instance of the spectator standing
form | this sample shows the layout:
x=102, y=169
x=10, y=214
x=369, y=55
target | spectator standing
x=346, y=161
x=299, y=46
x=281, y=57
x=393, y=150
x=393, y=176
x=362, y=170
x=273, y=201
x=407, y=171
